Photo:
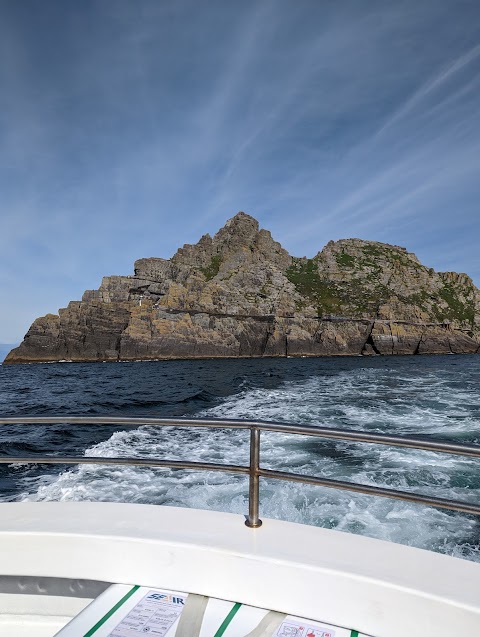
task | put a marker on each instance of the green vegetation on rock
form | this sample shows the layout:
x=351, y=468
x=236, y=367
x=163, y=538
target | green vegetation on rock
x=304, y=275
x=345, y=260
x=375, y=275
x=212, y=268
x=458, y=309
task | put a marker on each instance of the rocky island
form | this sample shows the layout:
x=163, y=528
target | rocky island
x=240, y=294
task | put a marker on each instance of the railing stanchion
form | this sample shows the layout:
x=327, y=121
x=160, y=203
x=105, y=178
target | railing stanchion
x=253, y=520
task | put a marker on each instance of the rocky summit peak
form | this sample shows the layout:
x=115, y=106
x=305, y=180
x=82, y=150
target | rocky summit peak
x=242, y=227
x=241, y=218
x=238, y=242
x=239, y=293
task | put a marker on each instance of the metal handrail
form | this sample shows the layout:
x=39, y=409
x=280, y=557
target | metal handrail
x=254, y=471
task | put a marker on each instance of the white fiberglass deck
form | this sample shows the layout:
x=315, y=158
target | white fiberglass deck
x=373, y=587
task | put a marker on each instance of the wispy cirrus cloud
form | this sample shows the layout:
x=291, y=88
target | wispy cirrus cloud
x=433, y=84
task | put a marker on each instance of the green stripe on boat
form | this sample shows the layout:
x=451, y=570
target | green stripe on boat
x=227, y=620
x=111, y=611
x=354, y=633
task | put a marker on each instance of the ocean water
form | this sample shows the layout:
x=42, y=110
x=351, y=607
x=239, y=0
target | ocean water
x=432, y=396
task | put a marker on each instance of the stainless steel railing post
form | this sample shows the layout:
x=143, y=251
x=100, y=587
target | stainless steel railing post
x=253, y=521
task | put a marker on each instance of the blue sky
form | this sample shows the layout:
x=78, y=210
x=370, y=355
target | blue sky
x=130, y=127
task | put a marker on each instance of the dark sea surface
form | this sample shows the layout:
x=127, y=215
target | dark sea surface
x=431, y=396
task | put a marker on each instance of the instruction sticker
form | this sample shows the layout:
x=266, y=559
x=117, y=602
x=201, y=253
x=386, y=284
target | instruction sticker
x=152, y=616
x=291, y=628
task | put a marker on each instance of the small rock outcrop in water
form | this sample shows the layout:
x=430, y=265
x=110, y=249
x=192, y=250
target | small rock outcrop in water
x=240, y=294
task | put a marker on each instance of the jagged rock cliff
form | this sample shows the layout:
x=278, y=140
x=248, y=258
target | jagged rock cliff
x=240, y=294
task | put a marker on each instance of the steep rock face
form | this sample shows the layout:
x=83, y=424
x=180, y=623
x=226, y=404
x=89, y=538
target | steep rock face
x=240, y=294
